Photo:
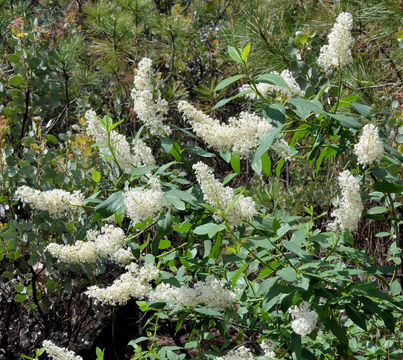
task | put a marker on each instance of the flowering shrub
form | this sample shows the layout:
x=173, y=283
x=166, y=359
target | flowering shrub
x=171, y=221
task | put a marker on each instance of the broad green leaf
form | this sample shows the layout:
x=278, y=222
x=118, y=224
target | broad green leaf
x=296, y=345
x=52, y=138
x=235, y=54
x=16, y=80
x=273, y=79
x=387, y=187
x=266, y=285
x=245, y=52
x=364, y=110
x=207, y=311
x=236, y=163
x=288, y=274
x=96, y=176
x=265, y=145
x=209, y=229
x=108, y=207
x=228, y=81
x=238, y=274
x=356, y=316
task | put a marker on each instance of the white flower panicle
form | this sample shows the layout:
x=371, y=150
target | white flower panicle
x=80, y=252
x=282, y=148
x=338, y=50
x=241, y=353
x=348, y=214
x=304, y=320
x=143, y=203
x=219, y=196
x=370, y=147
x=57, y=202
x=267, y=346
x=268, y=89
x=211, y=293
x=151, y=112
x=132, y=284
x=127, y=161
x=59, y=353
x=108, y=242
x=241, y=134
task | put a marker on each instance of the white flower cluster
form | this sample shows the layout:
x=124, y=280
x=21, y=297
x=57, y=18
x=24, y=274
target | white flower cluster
x=108, y=242
x=241, y=135
x=219, y=196
x=211, y=293
x=57, y=202
x=370, y=147
x=151, y=112
x=348, y=214
x=282, y=148
x=267, y=89
x=59, y=353
x=143, y=203
x=132, y=284
x=304, y=320
x=267, y=346
x=338, y=50
x=126, y=160
x=241, y=353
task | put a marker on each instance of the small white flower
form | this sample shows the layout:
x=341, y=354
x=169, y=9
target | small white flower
x=220, y=197
x=132, y=284
x=348, y=214
x=57, y=202
x=304, y=321
x=151, y=112
x=146, y=203
x=211, y=293
x=127, y=161
x=59, y=353
x=338, y=50
x=241, y=135
x=241, y=353
x=370, y=147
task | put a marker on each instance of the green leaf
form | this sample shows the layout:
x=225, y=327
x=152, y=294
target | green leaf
x=288, y=274
x=228, y=178
x=236, y=163
x=395, y=288
x=209, y=229
x=356, y=316
x=14, y=58
x=266, y=164
x=224, y=101
x=108, y=207
x=178, y=198
x=96, y=176
x=296, y=345
x=51, y=138
x=20, y=298
x=207, y=311
x=245, y=52
x=230, y=80
x=235, y=54
x=238, y=274
x=364, y=110
x=387, y=187
x=265, y=144
x=266, y=285
x=273, y=79
x=226, y=155
x=16, y=80
x=275, y=113
x=377, y=210
x=216, y=250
